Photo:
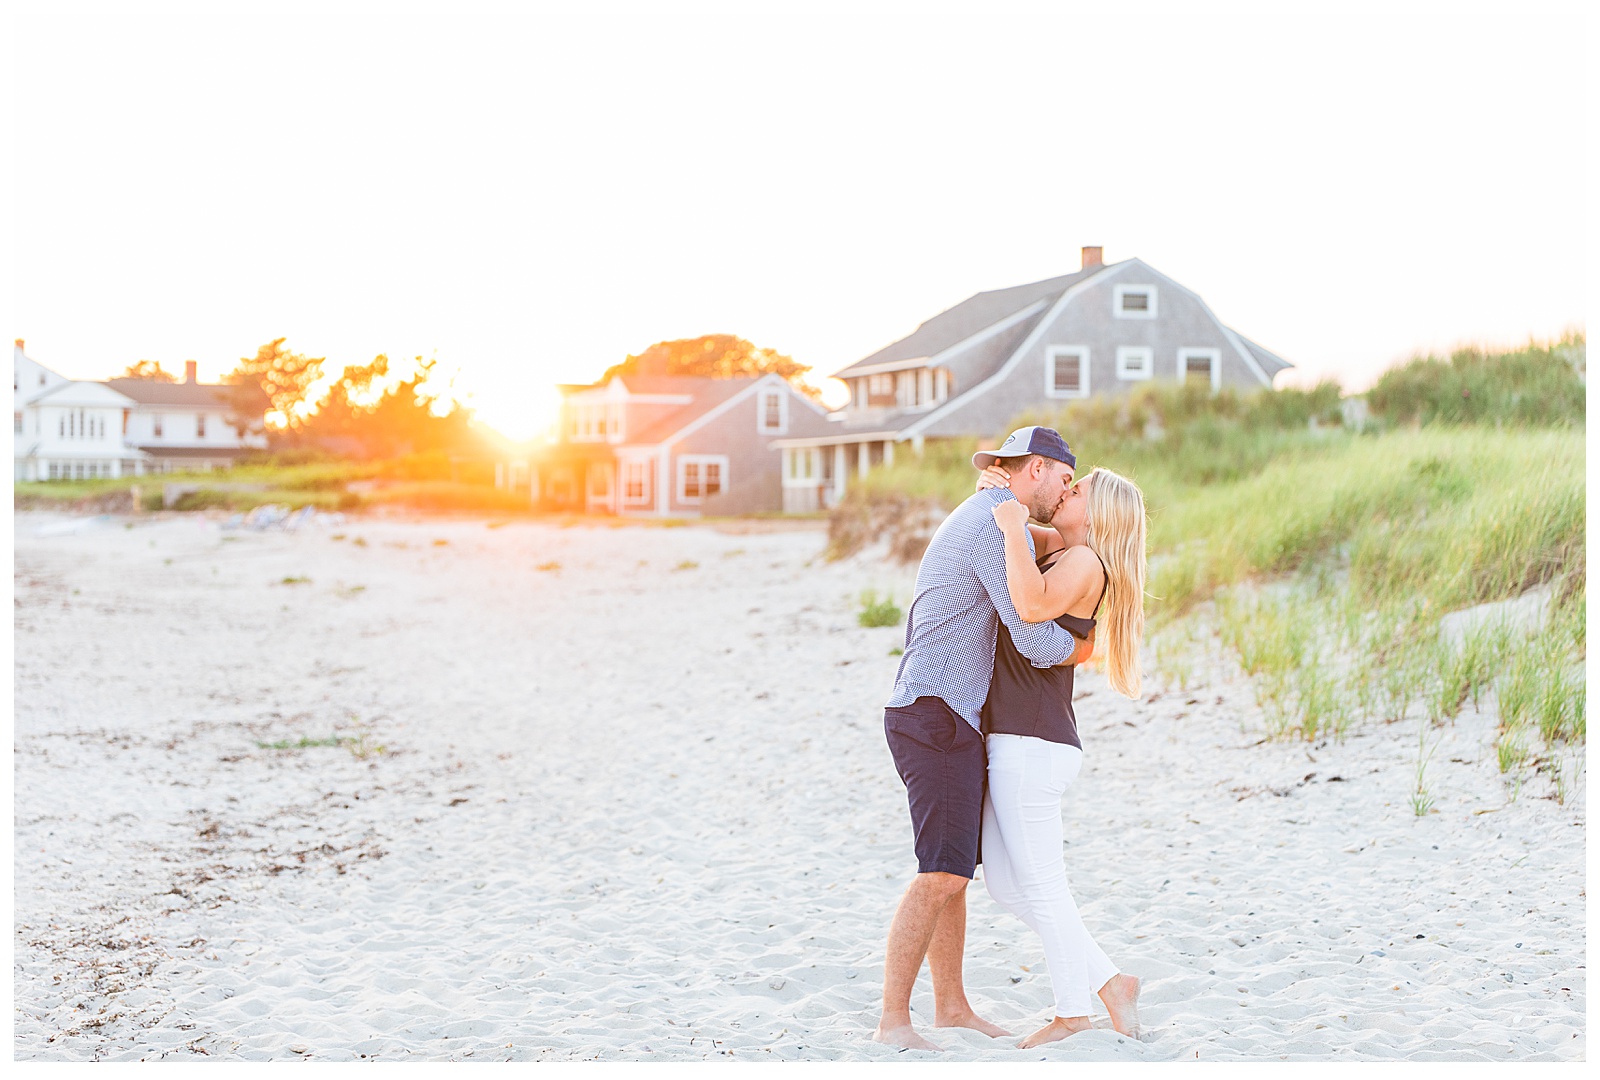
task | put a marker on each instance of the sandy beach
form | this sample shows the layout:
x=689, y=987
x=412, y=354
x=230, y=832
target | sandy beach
x=622, y=793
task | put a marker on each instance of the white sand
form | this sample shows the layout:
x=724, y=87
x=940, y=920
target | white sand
x=629, y=811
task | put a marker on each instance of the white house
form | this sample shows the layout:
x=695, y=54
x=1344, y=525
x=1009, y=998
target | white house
x=68, y=429
x=185, y=425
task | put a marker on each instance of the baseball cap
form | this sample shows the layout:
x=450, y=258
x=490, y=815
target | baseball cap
x=1046, y=442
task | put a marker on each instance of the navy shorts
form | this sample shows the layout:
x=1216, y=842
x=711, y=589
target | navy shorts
x=941, y=759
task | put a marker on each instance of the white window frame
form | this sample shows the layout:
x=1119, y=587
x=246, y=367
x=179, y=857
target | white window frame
x=701, y=461
x=762, y=398
x=1119, y=291
x=1050, y=355
x=594, y=421
x=643, y=465
x=1214, y=355
x=802, y=467
x=1135, y=362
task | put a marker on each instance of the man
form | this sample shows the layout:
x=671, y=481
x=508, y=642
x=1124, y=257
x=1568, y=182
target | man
x=933, y=726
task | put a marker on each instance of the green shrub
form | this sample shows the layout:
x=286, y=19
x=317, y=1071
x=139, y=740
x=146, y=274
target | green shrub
x=876, y=611
x=1538, y=384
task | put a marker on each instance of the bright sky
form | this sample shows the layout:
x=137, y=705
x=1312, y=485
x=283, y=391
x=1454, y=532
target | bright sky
x=529, y=194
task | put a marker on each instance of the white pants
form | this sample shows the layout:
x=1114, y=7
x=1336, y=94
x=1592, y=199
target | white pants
x=1023, y=865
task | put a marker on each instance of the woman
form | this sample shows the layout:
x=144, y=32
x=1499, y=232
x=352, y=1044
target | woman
x=1094, y=551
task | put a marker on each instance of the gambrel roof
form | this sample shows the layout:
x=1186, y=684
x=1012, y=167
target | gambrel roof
x=972, y=317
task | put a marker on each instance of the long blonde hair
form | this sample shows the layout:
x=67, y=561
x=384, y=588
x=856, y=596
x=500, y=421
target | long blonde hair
x=1116, y=519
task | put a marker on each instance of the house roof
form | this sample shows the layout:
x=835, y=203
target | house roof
x=190, y=395
x=1271, y=363
x=977, y=312
x=708, y=394
x=82, y=394
x=159, y=451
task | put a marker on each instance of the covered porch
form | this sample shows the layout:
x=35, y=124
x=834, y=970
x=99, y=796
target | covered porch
x=817, y=470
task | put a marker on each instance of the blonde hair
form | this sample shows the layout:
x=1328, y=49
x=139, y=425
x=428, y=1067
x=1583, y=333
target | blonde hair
x=1116, y=519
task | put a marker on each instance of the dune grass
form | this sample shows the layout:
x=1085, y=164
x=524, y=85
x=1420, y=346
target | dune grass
x=1322, y=559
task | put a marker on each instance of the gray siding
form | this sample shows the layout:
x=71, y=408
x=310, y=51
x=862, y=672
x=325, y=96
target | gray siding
x=1087, y=319
x=754, y=483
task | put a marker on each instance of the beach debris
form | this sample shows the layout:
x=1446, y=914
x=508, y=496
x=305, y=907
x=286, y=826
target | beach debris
x=280, y=517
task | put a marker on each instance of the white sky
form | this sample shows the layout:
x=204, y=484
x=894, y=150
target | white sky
x=530, y=194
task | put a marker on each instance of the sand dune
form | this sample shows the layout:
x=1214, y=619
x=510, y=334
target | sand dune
x=639, y=807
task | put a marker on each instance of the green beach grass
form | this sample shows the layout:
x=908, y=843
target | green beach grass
x=1323, y=559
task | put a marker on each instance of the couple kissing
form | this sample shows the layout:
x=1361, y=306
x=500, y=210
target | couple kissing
x=982, y=729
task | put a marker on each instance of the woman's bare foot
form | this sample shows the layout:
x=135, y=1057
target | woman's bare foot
x=905, y=1037
x=972, y=1020
x=1121, y=997
x=1056, y=1030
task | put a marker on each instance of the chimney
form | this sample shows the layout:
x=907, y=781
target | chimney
x=190, y=365
x=1092, y=257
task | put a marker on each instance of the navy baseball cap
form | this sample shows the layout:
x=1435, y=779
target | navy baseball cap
x=1046, y=442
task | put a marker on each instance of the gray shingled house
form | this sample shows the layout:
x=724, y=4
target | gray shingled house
x=667, y=445
x=967, y=372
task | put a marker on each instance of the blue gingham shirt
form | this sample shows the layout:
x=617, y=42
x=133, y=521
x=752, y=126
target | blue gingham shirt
x=951, y=628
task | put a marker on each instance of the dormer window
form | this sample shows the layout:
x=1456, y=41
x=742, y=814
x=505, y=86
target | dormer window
x=200, y=425
x=1066, y=371
x=880, y=389
x=772, y=412
x=1134, y=301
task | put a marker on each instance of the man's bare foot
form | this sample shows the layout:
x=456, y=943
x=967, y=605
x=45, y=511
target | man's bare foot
x=1121, y=997
x=1056, y=1030
x=970, y=1019
x=905, y=1037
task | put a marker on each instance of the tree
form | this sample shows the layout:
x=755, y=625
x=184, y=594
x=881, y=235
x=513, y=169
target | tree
x=715, y=356
x=401, y=420
x=269, y=389
x=149, y=370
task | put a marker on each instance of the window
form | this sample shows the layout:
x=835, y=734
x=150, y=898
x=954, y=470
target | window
x=905, y=389
x=1200, y=365
x=599, y=481
x=155, y=425
x=593, y=422
x=1066, y=371
x=200, y=426
x=880, y=389
x=1135, y=362
x=636, y=482
x=772, y=412
x=701, y=476
x=1133, y=301
x=802, y=467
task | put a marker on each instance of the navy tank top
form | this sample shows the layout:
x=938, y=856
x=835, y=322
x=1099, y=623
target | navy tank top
x=1025, y=700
